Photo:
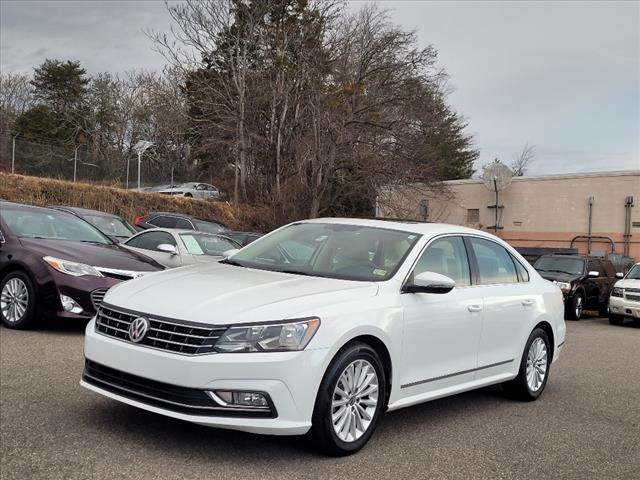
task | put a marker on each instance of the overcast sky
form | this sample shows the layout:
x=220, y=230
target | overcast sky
x=564, y=77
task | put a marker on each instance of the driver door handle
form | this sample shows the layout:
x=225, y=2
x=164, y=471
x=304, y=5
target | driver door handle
x=474, y=308
x=527, y=303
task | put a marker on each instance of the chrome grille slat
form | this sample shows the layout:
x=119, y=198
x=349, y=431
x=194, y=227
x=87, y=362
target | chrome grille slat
x=165, y=335
x=112, y=328
x=97, y=296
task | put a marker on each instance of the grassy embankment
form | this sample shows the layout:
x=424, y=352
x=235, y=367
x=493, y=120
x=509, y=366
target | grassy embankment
x=127, y=203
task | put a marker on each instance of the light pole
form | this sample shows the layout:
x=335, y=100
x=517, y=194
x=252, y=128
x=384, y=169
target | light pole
x=13, y=154
x=140, y=148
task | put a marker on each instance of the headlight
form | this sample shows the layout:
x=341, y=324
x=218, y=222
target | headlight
x=72, y=268
x=288, y=336
x=617, y=292
x=564, y=286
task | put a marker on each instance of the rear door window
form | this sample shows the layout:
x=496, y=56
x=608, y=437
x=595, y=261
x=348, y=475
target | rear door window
x=494, y=262
x=163, y=221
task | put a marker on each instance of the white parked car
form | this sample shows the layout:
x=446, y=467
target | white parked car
x=323, y=325
x=624, y=301
x=192, y=189
x=176, y=248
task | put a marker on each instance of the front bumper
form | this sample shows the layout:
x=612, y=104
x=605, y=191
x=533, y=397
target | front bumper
x=624, y=307
x=290, y=379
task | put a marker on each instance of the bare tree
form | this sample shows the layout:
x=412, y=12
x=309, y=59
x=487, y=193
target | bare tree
x=522, y=160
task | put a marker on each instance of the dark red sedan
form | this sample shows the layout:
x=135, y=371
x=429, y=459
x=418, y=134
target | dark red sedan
x=54, y=264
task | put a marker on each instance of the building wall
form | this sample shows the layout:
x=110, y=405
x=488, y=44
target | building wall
x=538, y=211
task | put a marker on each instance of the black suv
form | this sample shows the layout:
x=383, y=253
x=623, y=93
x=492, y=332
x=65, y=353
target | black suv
x=586, y=282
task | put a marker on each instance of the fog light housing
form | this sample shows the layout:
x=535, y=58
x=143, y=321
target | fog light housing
x=227, y=398
x=70, y=305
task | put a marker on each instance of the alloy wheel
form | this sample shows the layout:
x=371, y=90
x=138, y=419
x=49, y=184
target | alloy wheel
x=14, y=300
x=354, y=401
x=537, y=361
x=578, y=306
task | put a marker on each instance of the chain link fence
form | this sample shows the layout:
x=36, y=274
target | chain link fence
x=30, y=157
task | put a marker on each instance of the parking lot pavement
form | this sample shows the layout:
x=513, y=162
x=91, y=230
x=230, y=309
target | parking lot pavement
x=586, y=425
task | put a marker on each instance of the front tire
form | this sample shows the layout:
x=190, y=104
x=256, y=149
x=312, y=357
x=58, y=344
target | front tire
x=349, y=402
x=575, y=307
x=534, y=369
x=17, y=301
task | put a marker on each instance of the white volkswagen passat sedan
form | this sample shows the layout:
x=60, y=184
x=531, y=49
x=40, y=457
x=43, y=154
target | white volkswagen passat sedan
x=323, y=325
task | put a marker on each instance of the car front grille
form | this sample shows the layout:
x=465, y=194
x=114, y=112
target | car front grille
x=633, y=298
x=170, y=397
x=168, y=335
x=97, y=296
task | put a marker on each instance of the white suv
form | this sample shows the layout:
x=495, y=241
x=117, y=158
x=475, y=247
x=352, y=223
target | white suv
x=323, y=325
x=625, y=297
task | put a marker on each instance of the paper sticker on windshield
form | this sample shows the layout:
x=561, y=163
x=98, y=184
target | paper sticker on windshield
x=411, y=237
x=380, y=272
x=193, y=247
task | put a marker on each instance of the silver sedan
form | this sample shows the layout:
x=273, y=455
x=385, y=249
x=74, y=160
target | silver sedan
x=175, y=248
x=192, y=189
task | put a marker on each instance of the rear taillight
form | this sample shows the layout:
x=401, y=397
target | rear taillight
x=137, y=220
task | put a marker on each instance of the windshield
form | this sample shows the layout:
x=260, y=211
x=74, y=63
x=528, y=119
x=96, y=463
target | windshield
x=112, y=226
x=572, y=266
x=51, y=225
x=349, y=252
x=634, y=273
x=204, y=244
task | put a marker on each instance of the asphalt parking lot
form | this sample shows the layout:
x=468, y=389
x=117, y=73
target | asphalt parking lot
x=586, y=425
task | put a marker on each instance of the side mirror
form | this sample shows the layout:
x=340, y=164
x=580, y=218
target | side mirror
x=430, y=282
x=594, y=274
x=165, y=247
x=229, y=253
x=619, y=275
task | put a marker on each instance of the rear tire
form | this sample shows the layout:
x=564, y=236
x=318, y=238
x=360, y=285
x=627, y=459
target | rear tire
x=344, y=418
x=616, y=319
x=575, y=307
x=17, y=301
x=534, y=369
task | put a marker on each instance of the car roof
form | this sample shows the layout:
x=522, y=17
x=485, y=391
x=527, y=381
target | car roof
x=184, y=215
x=25, y=206
x=83, y=211
x=412, y=226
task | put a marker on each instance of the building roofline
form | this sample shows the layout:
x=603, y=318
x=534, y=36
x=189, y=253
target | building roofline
x=561, y=176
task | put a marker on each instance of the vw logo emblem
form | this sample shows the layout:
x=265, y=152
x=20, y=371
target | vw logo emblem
x=138, y=329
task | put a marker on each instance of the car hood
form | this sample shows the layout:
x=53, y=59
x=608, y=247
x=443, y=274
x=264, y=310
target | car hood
x=216, y=293
x=628, y=283
x=98, y=255
x=559, y=276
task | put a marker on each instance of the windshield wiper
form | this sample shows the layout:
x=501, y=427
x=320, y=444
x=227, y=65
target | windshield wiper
x=295, y=272
x=228, y=261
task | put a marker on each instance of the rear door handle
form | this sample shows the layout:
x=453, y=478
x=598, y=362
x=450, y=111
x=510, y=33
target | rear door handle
x=474, y=308
x=527, y=302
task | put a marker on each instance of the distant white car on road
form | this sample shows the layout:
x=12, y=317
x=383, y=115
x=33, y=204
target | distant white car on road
x=325, y=324
x=192, y=189
x=624, y=301
x=175, y=248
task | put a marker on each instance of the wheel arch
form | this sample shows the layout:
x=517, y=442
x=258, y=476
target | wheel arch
x=381, y=349
x=548, y=329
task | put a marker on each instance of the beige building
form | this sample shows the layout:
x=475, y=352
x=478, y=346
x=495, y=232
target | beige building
x=546, y=211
